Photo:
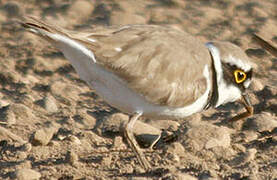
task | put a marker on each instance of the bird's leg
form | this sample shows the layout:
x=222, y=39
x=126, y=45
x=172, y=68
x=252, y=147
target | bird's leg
x=133, y=143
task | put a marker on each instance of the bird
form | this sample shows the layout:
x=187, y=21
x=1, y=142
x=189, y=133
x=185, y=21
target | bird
x=154, y=71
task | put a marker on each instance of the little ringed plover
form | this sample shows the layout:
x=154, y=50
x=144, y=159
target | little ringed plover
x=153, y=71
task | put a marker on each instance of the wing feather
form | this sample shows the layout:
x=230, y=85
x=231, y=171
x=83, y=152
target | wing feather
x=162, y=64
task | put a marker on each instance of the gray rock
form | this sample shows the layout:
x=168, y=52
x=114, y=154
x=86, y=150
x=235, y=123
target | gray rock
x=7, y=116
x=27, y=174
x=176, y=148
x=50, y=104
x=264, y=121
x=23, y=113
x=27, y=147
x=72, y=158
x=44, y=135
x=80, y=10
x=257, y=85
x=84, y=120
x=183, y=176
x=204, y=135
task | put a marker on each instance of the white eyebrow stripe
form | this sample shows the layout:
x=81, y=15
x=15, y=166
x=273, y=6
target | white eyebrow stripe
x=238, y=62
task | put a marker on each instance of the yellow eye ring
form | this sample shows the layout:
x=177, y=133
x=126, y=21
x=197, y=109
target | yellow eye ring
x=240, y=76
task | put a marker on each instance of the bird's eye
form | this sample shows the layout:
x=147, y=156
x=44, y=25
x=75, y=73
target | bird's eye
x=240, y=76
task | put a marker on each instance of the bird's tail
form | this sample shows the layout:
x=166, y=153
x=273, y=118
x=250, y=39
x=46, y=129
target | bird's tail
x=41, y=28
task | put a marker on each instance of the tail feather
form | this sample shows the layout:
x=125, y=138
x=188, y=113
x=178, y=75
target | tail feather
x=40, y=28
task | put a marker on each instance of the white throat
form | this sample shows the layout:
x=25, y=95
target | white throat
x=226, y=93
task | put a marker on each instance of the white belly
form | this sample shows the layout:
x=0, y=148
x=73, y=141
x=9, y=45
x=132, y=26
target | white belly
x=114, y=91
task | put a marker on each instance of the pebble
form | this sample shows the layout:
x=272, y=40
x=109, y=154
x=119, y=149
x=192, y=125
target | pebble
x=84, y=120
x=27, y=174
x=264, y=121
x=20, y=155
x=75, y=140
x=44, y=135
x=72, y=158
x=7, y=116
x=113, y=123
x=26, y=164
x=257, y=85
x=65, y=91
x=92, y=138
x=23, y=113
x=174, y=157
x=80, y=10
x=12, y=9
x=176, y=148
x=27, y=147
x=250, y=136
x=204, y=135
x=250, y=155
x=50, y=104
x=183, y=176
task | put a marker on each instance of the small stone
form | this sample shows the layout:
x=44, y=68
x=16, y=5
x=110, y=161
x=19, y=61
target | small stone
x=84, y=120
x=27, y=147
x=23, y=113
x=264, y=121
x=113, y=123
x=12, y=9
x=27, y=100
x=250, y=136
x=27, y=174
x=257, y=85
x=50, y=104
x=72, y=158
x=7, y=116
x=246, y=157
x=44, y=135
x=204, y=135
x=250, y=155
x=80, y=10
x=54, y=143
x=4, y=103
x=26, y=164
x=176, y=148
x=183, y=176
x=174, y=157
x=66, y=92
x=75, y=140
x=20, y=155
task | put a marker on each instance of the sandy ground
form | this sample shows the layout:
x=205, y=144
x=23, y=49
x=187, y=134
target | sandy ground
x=53, y=126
